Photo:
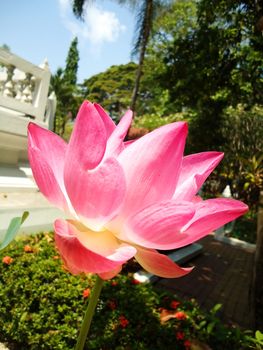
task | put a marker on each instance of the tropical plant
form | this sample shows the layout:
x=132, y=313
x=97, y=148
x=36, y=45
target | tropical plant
x=63, y=83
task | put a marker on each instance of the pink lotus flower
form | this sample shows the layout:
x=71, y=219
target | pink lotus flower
x=124, y=199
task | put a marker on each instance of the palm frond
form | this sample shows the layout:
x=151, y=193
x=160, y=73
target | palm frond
x=146, y=12
x=78, y=7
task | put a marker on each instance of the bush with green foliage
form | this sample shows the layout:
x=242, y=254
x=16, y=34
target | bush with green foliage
x=245, y=228
x=243, y=164
x=155, y=120
x=42, y=305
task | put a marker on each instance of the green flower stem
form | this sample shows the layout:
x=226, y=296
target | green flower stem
x=89, y=314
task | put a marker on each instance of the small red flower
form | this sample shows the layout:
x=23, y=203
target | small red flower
x=180, y=335
x=112, y=304
x=180, y=315
x=187, y=344
x=114, y=283
x=123, y=321
x=86, y=293
x=134, y=281
x=55, y=257
x=174, y=304
x=28, y=249
x=7, y=260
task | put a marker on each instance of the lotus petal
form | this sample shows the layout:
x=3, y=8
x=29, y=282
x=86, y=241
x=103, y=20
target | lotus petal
x=195, y=170
x=77, y=258
x=158, y=226
x=159, y=264
x=46, y=152
x=87, y=143
x=96, y=195
x=108, y=122
x=115, y=143
x=209, y=216
x=152, y=165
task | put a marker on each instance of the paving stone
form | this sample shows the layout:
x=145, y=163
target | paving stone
x=222, y=274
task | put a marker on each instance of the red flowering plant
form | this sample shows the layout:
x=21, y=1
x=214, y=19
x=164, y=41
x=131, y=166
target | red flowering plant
x=47, y=304
x=7, y=260
x=86, y=293
x=28, y=249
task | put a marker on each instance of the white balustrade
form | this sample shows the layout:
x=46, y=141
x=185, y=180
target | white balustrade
x=23, y=86
x=23, y=98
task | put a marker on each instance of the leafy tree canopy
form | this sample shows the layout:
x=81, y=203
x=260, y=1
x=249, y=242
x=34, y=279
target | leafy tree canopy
x=71, y=70
x=63, y=83
x=112, y=89
x=209, y=56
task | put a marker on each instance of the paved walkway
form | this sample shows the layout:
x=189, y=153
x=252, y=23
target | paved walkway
x=222, y=274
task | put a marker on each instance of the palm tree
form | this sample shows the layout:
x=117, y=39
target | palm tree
x=146, y=12
x=66, y=101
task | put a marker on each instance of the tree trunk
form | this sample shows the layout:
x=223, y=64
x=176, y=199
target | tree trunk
x=258, y=271
x=146, y=34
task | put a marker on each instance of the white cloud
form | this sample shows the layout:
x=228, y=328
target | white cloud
x=99, y=26
x=102, y=25
x=65, y=7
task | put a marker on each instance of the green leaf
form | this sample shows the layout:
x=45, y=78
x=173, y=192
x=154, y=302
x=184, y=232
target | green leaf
x=259, y=337
x=216, y=308
x=210, y=327
x=13, y=228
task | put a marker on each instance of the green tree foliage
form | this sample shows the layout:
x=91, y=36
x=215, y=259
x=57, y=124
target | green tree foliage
x=112, y=89
x=63, y=82
x=207, y=56
x=211, y=60
x=5, y=47
x=77, y=7
x=173, y=26
x=243, y=165
x=71, y=70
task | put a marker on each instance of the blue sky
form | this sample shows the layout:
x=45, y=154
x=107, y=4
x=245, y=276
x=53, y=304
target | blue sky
x=39, y=29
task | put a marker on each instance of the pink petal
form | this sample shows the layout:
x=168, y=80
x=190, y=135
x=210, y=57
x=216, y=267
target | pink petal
x=99, y=259
x=158, y=226
x=46, y=152
x=96, y=195
x=115, y=143
x=128, y=143
x=195, y=170
x=151, y=165
x=159, y=264
x=110, y=274
x=210, y=215
x=108, y=122
x=87, y=142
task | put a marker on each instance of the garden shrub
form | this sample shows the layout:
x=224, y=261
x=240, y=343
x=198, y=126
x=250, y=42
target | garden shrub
x=155, y=120
x=42, y=305
x=243, y=163
x=245, y=228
